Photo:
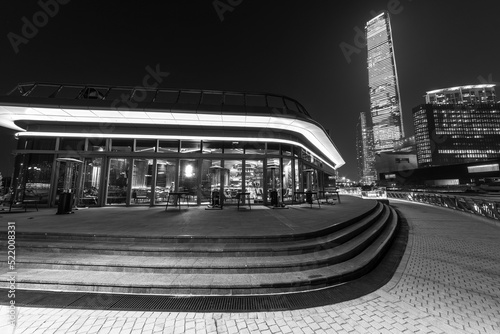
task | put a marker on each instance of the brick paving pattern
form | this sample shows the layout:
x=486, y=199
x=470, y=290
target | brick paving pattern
x=447, y=282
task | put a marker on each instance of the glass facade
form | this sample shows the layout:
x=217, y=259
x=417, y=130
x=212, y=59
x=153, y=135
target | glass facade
x=385, y=105
x=143, y=172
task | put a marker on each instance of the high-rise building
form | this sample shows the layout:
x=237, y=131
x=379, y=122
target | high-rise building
x=364, y=150
x=385, y=104
x=457, y=125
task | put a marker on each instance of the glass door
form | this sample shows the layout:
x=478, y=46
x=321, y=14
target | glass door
x=142, y=174
x=165, y=179
x=91, y=181
x=117, y=181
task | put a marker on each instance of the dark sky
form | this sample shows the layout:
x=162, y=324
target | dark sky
x=283, y=47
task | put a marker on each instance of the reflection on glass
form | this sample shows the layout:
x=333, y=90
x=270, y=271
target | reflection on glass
x=188, y=146
x=34, y=177
x=273, y=148
x=234, y=147
x=233, y=179
x=117, y=181
x=212, y=147
x=168, y=146
x=273, y=180
x=210, y=179
x=141, y=181
x=145, y=145
x=122, y=145
x=287, y=179
x=255, y=148
x=188, y=178
x=92, y=168
x=254, y=179
x=165, y=179
x=298, y=176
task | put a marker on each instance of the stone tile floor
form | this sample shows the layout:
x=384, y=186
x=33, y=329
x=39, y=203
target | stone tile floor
x=448, y=282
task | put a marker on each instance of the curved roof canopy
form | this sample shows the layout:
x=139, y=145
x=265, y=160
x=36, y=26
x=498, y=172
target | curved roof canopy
x=58, y=103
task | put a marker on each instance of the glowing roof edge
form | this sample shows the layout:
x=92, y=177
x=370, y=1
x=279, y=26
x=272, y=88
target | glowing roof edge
x=460, y=87
x=167, y=137
x=314, y=133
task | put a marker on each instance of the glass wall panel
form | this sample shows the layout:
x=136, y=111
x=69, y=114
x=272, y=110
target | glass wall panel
x=296, y=151
x=34, y=177
x=188, y=146
x=233, y=179
x=287, y=179
x=210, y=178
x=165, y=179
x=122, y=145
x=142, y=145
x=273, y=148
x=310, y=181
x=39, y=144
x=234, y=147
x=72, y=144
x=286, y=149
x=117, y=181
x=273, y=179
x=68, y=176
x=97, y=144
x=212, y=147
x=92, y=169
x=188, y=178
x=255, y=148
x=168, y=146
x=298, y=175
x=254, y=179
x=142, y=175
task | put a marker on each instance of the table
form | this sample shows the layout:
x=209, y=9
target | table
x=177, y=200
x=294, y=197
x=327, y=194
x=241, y=199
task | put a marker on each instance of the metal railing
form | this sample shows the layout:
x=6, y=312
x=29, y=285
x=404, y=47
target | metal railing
x=478, y=206
x=194, y=97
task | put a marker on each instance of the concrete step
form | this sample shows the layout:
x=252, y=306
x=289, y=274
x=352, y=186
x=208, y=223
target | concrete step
x=331, y=237
x=179, y=280
x=324, y=254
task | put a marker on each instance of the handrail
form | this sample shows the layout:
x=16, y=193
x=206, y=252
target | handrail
x=101, y=92
x=478, y=206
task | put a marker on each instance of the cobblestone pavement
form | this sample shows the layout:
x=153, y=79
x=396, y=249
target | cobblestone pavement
x=448, y=282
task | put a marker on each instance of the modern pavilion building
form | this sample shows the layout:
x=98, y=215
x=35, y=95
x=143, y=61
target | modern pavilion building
x=385, y=103
x=132, y=146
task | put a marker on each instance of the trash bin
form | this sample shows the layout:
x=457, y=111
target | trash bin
x=309, y=197
x=215, y=198
x=65, y=203
x=274, y=198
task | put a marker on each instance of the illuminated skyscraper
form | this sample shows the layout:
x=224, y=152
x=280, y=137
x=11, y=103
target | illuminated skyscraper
x=364, y=150
x=385, y=104
x=458, y=125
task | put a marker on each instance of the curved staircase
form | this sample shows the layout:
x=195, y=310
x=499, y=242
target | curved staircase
x=184, y=265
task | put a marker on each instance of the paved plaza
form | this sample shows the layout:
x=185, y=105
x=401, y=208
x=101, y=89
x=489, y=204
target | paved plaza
x=448, y=282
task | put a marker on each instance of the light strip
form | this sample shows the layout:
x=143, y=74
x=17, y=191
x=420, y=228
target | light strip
x=452, y=89
x=166, y=137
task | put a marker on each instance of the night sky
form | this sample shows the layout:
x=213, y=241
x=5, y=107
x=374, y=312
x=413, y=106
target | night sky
x=284, y=47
